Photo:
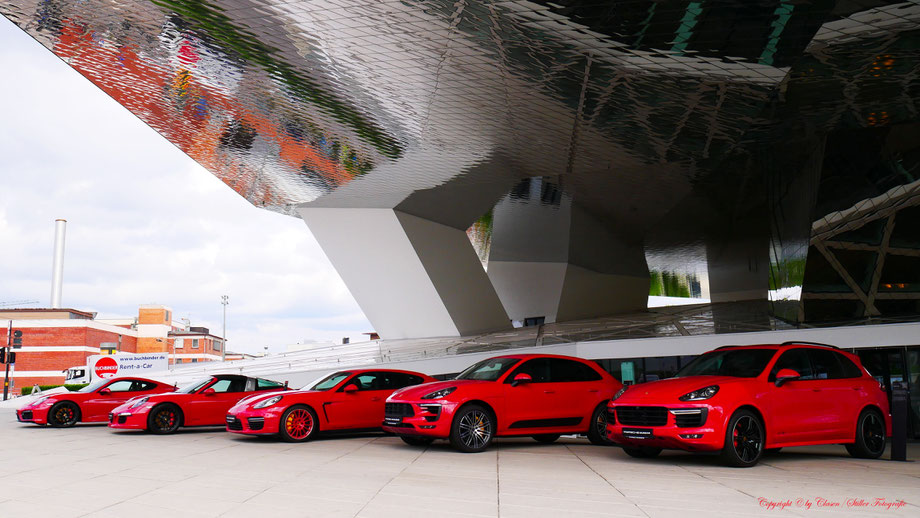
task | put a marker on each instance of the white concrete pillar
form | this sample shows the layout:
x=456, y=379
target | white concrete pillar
x=412, y=277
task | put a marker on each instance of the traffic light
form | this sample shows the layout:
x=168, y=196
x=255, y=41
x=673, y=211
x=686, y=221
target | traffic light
x=17, y=339
x=3, y=355
x=11, y=357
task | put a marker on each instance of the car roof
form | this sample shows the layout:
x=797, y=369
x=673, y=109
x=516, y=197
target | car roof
x=537, y=355
x=361, y=371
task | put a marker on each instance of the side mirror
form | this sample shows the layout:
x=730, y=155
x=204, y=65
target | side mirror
x=104, y=392
x=521, y=379
x=785, y=375
x=209, y=392
x=351, y=387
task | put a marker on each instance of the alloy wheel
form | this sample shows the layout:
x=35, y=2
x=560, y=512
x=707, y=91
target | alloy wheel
x=165, y=418
x=298, y=424
x=873, y=430
x=747, y=438
x=475, y=429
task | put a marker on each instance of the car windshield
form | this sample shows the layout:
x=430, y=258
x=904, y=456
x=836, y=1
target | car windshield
x=740, y=363
x=330, y=381
x=92, y=387
x=194, y=386
x=488, y=370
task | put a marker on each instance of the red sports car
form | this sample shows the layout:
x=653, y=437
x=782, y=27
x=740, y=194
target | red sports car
x=344, y=401
x=91, y=404
x=543, y=396
x=744, y=401
x=201, y=403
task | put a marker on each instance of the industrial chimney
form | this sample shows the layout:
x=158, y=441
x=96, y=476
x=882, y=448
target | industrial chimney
x=57, y=272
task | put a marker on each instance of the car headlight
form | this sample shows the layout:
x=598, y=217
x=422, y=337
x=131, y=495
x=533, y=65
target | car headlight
x=138, y=402
x=701, y=394
x=438, y=394
x=267, y=402
x=619, y=393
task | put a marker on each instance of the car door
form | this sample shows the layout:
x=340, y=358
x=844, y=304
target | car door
x=578, y=391
x=529, y=405
x=207, y=408
x=346, y=410
x=839, y=395
x=793, y=413
x=98, y=405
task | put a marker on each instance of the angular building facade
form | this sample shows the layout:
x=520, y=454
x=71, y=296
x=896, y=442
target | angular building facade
x=534, y=161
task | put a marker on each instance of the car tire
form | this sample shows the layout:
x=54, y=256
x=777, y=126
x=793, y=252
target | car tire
x=412, y=440
x=546, y=438
x=472, y=429
x=597, y=433
x=298, y=424
x=642, y=452
x=870, y=436
x=744, y=440
x=64, y=414
x=164, y=419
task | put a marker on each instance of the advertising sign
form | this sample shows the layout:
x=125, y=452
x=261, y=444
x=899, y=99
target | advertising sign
x=105, y=366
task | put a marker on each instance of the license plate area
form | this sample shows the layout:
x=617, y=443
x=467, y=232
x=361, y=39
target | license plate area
x=638, y=433
x=392, y=420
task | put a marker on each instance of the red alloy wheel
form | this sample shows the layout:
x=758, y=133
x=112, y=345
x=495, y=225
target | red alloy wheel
x=298, y=424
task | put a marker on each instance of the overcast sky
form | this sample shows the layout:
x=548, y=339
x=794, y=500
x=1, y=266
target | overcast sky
x=146, y=224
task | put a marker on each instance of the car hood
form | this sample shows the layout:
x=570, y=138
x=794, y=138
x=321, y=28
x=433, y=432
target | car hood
x=672, y=388
x=417, y=391
x=42, y=399
x=262, y=396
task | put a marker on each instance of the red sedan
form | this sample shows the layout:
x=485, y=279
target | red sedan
x=91, y=404
x=344, y=401
x=543, y=396
x=201, y=403
x=744, y=401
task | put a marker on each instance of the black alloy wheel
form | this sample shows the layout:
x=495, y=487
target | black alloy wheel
x=597, y=433
x=64, y=414
x=642, y=452
x=870, y=436
x=546, y=437
x=744, y=440
x=413, y=440
x=472, y=429
x=163, y=419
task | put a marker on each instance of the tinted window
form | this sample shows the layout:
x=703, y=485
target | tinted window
x=263, y=384
x=397, y=380
x=829, y=365
x=194, y=386
x=797, y=360
x=850, y=370
x=571, y=370
x=229, y=385
x=120, y=386
x=741, y=363
x=330, y=381
x=140, y=386
x=488, y=370
x=366, y=381
x=537, y=368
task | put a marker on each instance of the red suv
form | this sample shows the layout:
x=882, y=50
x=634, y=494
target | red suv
x=746, y=400
x=539, y=395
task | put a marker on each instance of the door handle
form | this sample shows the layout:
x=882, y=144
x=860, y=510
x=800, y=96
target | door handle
x=549, y=391
x=816, y=390
x=375, y=399
x=593, y=390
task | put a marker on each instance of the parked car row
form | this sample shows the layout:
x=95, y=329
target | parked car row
x=739, y=401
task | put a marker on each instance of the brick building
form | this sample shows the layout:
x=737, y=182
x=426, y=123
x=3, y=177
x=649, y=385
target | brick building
x=56, y=339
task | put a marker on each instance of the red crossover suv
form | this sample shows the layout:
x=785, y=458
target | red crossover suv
x=91, y=404
x=539, y=395
x=344, y=401
x=201, y=403
x=746, y=400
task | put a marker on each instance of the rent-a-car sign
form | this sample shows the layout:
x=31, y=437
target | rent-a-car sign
x=106, y=366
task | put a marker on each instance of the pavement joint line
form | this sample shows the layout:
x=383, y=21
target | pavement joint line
x=630, y=500
x=498, y=483
x=394, y=477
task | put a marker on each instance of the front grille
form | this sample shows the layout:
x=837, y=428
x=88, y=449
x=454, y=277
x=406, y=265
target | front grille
x=27, y=414
x=611, y=416
x=691, y=420
x=122, y=419
x=398, y=410
x=234, y=424
x=642, y=415
x=256, y=423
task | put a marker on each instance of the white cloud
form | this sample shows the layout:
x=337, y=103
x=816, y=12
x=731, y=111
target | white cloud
x=146, y=224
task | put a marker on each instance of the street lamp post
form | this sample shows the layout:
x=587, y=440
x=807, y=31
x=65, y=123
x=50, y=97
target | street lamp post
x=223, y=347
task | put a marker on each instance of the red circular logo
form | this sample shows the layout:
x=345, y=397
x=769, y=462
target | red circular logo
x=106, y=368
